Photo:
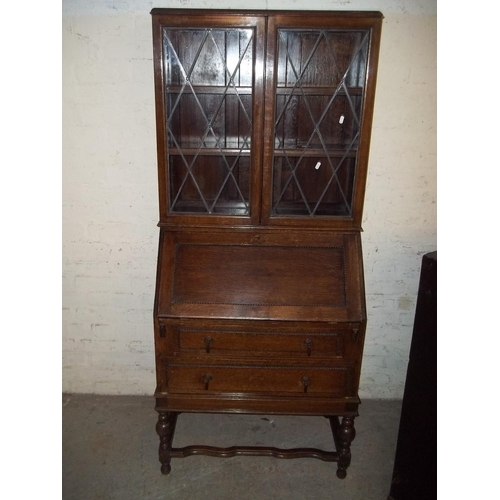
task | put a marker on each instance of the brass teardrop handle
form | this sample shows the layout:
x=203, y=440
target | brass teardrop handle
x=208, y=341
x=207, y=378
x=305, y=382
x=308, y=343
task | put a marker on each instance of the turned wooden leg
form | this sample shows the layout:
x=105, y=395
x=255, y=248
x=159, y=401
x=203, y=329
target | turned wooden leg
x=165, y=428
x=346, y=434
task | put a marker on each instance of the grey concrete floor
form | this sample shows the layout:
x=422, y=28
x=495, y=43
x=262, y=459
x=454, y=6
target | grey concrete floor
x=110, y=452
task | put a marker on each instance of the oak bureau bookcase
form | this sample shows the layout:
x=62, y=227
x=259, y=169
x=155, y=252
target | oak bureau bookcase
x=263, y=133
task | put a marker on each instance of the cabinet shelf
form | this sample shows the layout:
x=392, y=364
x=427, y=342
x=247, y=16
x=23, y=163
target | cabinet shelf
x=222, y=207
x=280, y=90
x=315, y=153
x=298, y=209
x=282, y=152
x=209, y=152
x=208, y=89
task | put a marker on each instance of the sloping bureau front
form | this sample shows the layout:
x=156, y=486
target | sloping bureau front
x=260, y=276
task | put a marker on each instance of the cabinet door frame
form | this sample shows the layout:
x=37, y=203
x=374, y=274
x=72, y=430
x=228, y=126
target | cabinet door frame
x=372, y=21
x=210, y=20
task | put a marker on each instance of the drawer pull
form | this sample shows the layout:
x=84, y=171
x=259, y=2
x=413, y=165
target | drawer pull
x=207, y=378
x=208, y=341
x=308, y=343
x=305, y=382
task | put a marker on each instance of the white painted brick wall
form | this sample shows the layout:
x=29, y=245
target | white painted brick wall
x=110, y=206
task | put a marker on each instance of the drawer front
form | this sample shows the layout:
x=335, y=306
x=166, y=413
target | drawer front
x=300, y=381
x=335, y=344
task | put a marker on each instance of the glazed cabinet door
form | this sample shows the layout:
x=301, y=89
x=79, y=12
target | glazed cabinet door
x=209, y=71
x=320, y=83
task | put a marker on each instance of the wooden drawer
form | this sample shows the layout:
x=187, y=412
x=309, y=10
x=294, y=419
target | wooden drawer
x=330, y=344
x=301, y=341
x=302, y=381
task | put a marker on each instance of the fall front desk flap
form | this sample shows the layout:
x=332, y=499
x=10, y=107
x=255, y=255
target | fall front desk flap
x=260, y=276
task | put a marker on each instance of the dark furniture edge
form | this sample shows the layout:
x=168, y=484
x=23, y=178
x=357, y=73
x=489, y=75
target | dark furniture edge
x=158, y=11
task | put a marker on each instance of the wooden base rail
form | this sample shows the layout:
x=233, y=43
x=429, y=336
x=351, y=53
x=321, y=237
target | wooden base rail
x=343, y=433
x=255, y=451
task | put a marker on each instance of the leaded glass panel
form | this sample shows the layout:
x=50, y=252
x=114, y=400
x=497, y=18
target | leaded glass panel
x=208, y=95
x=317, y=120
